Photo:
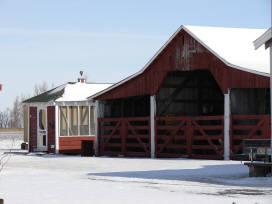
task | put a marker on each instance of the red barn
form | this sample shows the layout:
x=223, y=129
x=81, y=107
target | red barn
x=202, y=93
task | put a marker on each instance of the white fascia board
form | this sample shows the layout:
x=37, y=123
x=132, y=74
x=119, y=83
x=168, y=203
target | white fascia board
x=75, y=103
x=263, y=39
x=162, y=48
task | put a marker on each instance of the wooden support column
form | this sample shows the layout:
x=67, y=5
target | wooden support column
x=57, y=126
x=271, y=88
x=152, y=125
x=97, y=128
x=227, y=126
x=270, y=45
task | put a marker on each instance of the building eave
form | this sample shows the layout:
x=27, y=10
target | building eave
x=264, y=39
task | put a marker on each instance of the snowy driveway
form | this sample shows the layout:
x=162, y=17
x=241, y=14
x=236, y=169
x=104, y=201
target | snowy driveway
x=74, y=179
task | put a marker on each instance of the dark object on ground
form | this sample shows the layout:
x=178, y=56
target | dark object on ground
x=1, y=201
x=87, y=148
x=24, y=146
x=259, y=169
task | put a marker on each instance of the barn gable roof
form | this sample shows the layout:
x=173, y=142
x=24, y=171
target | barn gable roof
x=233, y=46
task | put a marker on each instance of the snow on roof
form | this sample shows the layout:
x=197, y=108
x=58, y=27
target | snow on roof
x=234, y=46
x=72, y=91
x=81, y=91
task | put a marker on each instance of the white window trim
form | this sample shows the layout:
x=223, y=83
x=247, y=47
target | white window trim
x=78, y=121
x=89, y=119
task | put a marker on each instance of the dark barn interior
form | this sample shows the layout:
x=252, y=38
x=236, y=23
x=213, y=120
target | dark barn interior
x=254, y=101
x=135, y=124
x=250, y=109
x=127, y=107
x=183, y=98
x=190, y=93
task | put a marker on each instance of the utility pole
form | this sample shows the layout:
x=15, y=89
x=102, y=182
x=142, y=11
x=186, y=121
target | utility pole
x=270, y=45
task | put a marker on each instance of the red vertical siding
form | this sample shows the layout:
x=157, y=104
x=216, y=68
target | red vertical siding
x=32, y=128
x=51, y=128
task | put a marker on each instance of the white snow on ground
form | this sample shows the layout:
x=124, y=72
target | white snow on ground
x=60, y=179
x=10, y=140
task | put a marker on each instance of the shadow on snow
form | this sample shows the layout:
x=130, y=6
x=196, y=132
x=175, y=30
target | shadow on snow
x=230, y=174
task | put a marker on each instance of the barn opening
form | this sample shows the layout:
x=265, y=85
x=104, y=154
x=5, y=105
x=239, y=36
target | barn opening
x=187, y=105
x=138, y=106
x=190, y=93
x=125, y=129
x=250, y=109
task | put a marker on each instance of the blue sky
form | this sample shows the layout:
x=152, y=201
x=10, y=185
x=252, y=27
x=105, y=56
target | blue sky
x=53, y=40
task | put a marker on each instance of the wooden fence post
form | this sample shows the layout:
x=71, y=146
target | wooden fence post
x=123, y=132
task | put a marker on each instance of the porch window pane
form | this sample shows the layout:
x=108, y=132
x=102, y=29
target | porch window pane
x=84, y=120
x=63, y=121
x=42, y=119
x=92, y=122
x=73, y=121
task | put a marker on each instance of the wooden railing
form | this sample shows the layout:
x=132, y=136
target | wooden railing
x=193, y=137
x=124, y=136
x=184, y=136
x=247, y=127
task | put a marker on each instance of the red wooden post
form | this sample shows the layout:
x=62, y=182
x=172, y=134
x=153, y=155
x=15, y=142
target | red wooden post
x=267, y=127
x=156, y=136
x=123, y=133
x=51, y=129
x=231, y=137
x=32, y=129
x=99, y=152
x=189, y=134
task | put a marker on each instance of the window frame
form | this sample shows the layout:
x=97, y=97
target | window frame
x=89, y=107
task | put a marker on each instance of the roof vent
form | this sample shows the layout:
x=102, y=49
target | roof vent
x=81, y=79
